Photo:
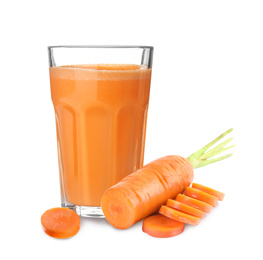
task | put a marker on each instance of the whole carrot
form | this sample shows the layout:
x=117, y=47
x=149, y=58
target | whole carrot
x=143, y=192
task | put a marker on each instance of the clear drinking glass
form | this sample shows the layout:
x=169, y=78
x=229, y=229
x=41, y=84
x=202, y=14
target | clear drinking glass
x=100, y=96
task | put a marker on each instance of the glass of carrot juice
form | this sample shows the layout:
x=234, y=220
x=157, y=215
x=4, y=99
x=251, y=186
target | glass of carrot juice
x=100, y=96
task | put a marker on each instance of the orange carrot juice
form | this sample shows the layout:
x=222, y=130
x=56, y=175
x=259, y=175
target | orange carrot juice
x=101, y=113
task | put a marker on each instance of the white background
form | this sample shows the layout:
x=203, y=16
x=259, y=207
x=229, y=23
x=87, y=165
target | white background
x=207, y=78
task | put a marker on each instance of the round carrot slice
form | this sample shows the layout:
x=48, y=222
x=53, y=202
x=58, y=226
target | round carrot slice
x=60, y=222
x=185, y=208
x=179, y=215
x=216, y=193
x=161, y=226
x=201, y=195
x=194, y=203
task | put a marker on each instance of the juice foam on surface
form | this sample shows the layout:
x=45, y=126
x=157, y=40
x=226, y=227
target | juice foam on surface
x=101, y=71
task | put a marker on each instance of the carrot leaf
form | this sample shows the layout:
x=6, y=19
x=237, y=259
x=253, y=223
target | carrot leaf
x=204, y=156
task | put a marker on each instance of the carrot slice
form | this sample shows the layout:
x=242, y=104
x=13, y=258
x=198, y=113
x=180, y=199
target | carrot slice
x=201, y=195
x=60, y=222
x=216, y=193
x=194, y=203
x=179, y=215
x=161, y=226
x=185, y=208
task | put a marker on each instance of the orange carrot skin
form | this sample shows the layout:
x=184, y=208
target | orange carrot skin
x=201, y=195
x=179, y=215
x=185, y=208
x=170, y=168
x=161, y=226
x=60, y=222
x=216, y=193
x=194, y=203
x=142, y=193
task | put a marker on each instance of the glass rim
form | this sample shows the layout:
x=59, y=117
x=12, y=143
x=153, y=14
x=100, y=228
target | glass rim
x=103, y=46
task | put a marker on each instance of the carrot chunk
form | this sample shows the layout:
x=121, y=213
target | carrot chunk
x=161, y=226
x=179, y=215
x=142, y=193
x=201, y=195
x=216, y=193
x=194, y=203
x=60, y=222
x=185, y=208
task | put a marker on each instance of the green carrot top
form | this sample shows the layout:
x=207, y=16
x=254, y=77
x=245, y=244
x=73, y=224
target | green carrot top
x=203, y=157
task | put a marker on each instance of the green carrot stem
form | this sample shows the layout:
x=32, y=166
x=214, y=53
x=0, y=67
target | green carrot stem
x=202, y=157
x=218, y=149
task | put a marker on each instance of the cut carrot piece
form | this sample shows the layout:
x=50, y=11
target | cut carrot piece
x=60, y=222
x=179, y=215
x=216, y=193
x=185, y=208
x=142, y=193
x=201, y=195
x=194, y=203
x=161, y=226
